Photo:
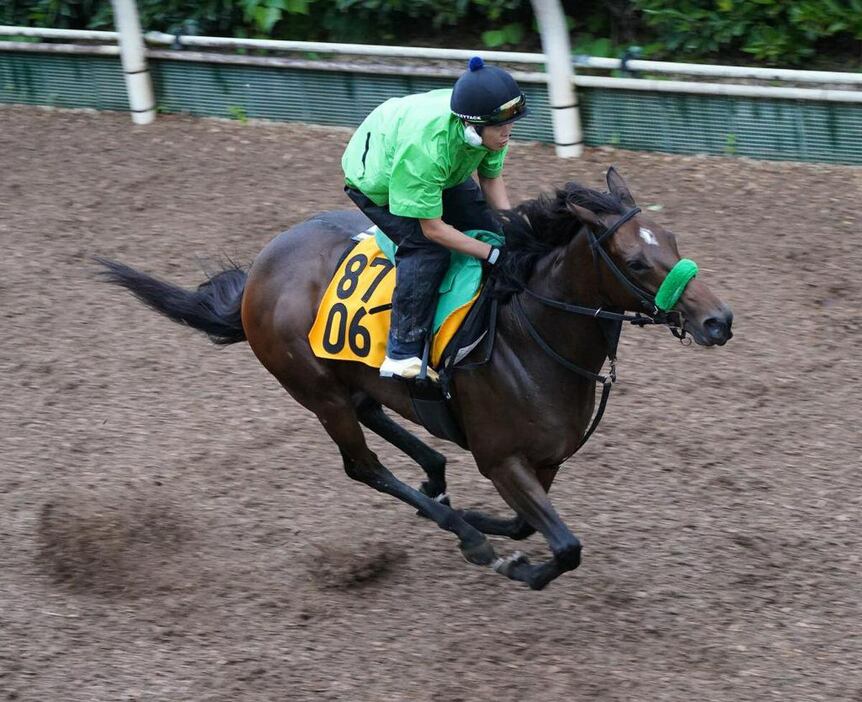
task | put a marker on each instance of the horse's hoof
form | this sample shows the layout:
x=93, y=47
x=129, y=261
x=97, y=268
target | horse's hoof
x=481, y=554
x=505, y=566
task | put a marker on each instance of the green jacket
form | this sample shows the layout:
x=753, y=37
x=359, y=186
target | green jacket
x=409, y=150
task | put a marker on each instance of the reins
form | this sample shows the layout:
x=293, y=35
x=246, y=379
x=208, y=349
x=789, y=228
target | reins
x=610, y=322
x=611, y=335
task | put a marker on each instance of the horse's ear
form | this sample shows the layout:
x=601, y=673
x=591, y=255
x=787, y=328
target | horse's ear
x=586, y=216
x=618, y=187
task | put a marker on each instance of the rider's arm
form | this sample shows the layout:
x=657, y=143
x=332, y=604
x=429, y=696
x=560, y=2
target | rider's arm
x=494, y=190
x=441, y=233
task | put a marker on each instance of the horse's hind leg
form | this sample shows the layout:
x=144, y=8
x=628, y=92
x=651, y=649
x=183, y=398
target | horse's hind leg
x=371, y=414
x=340, y=421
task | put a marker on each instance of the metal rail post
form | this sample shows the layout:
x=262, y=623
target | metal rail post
x=142, y=103
x=568, y=136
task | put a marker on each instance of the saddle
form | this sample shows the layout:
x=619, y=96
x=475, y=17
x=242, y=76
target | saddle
x=352, y=322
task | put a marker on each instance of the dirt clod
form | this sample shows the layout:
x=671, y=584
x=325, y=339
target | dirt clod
x=341, y=567
x=107, y=543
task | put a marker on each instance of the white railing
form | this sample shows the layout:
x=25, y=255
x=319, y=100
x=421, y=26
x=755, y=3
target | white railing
x=703, y=69
x=842, y=86
x=592, y=62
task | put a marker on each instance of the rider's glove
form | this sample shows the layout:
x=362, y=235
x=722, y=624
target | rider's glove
x=495, y=256
x=492, y=267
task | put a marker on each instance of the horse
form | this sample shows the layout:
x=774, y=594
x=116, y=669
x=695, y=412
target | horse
x=579, y=263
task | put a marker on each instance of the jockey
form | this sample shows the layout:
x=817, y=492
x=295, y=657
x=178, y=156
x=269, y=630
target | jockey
x=409, y=168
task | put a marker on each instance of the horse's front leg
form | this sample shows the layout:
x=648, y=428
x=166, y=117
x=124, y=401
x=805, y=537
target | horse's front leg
x=525, y=490
x=516, y=528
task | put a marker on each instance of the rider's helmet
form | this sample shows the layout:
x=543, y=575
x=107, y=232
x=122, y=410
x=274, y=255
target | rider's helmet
x=487, y=95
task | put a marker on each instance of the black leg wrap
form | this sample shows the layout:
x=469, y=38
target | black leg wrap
x=516, y=528
x=524, y=531
x=569, y=558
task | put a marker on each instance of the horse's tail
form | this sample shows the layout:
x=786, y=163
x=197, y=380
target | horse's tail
x=214, y=308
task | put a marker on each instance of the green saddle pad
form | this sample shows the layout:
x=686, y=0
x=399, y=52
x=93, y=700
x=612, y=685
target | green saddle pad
x=461, y=281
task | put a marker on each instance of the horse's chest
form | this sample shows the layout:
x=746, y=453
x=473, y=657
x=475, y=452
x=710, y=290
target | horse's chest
x=543, y=424
x=553, y=439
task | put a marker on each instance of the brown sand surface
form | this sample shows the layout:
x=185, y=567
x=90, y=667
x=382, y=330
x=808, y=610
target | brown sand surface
x=174, y=527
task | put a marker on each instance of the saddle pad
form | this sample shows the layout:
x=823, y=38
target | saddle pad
x=352, y=323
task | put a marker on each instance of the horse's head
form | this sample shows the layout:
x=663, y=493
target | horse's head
x=640, y=269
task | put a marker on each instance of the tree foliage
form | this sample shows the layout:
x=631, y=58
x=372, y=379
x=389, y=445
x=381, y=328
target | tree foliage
x=770, y=31
x=335, y=20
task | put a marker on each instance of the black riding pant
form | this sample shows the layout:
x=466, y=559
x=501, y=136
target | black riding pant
x=420, y=264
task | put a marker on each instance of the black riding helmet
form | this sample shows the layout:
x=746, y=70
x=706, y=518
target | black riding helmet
x=487, y=95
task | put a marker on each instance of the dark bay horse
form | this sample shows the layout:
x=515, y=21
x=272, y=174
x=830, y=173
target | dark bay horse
x=525, y=411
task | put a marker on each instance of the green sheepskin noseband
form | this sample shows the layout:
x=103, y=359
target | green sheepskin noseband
x=674, y=284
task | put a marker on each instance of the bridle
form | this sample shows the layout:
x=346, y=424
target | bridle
x=610, y=321
x=648, y=302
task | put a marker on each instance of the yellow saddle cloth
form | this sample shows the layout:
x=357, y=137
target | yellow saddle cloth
x=352, y=322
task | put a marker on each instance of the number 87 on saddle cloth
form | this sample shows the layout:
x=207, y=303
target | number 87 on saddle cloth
x=352, y=322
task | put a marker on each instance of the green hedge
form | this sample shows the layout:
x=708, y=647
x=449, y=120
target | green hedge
x=775, y=32
x=368, y=21
x=772, y=31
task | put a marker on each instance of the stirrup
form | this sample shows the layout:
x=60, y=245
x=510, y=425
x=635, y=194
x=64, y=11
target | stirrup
x=407, y=368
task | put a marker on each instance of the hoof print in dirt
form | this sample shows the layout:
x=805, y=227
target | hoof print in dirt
x=341, y=568
x=107, y=544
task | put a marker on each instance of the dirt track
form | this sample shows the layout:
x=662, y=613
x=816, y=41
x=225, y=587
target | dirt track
x=173, y=527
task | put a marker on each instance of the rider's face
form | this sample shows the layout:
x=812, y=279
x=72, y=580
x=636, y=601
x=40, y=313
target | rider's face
x=496, y=138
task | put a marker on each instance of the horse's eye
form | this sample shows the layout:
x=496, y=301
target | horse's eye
x=637, y=265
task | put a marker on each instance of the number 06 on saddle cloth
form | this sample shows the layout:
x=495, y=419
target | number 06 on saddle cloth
x=352, y=323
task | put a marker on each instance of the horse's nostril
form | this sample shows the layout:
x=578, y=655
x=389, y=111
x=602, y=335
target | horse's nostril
x=717, y=329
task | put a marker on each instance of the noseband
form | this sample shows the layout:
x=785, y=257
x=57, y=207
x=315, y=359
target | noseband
x=657, y=306
x=656, y=310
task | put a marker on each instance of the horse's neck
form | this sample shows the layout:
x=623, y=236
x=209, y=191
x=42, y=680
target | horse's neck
x=567, y=275
x=525, y=383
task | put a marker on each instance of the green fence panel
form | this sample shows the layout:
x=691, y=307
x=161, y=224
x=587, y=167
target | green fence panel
x=320, y=97
x=800, y=130
x=672, y=122
x=62, y=80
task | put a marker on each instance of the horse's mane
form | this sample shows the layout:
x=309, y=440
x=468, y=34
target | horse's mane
x=536, y=227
